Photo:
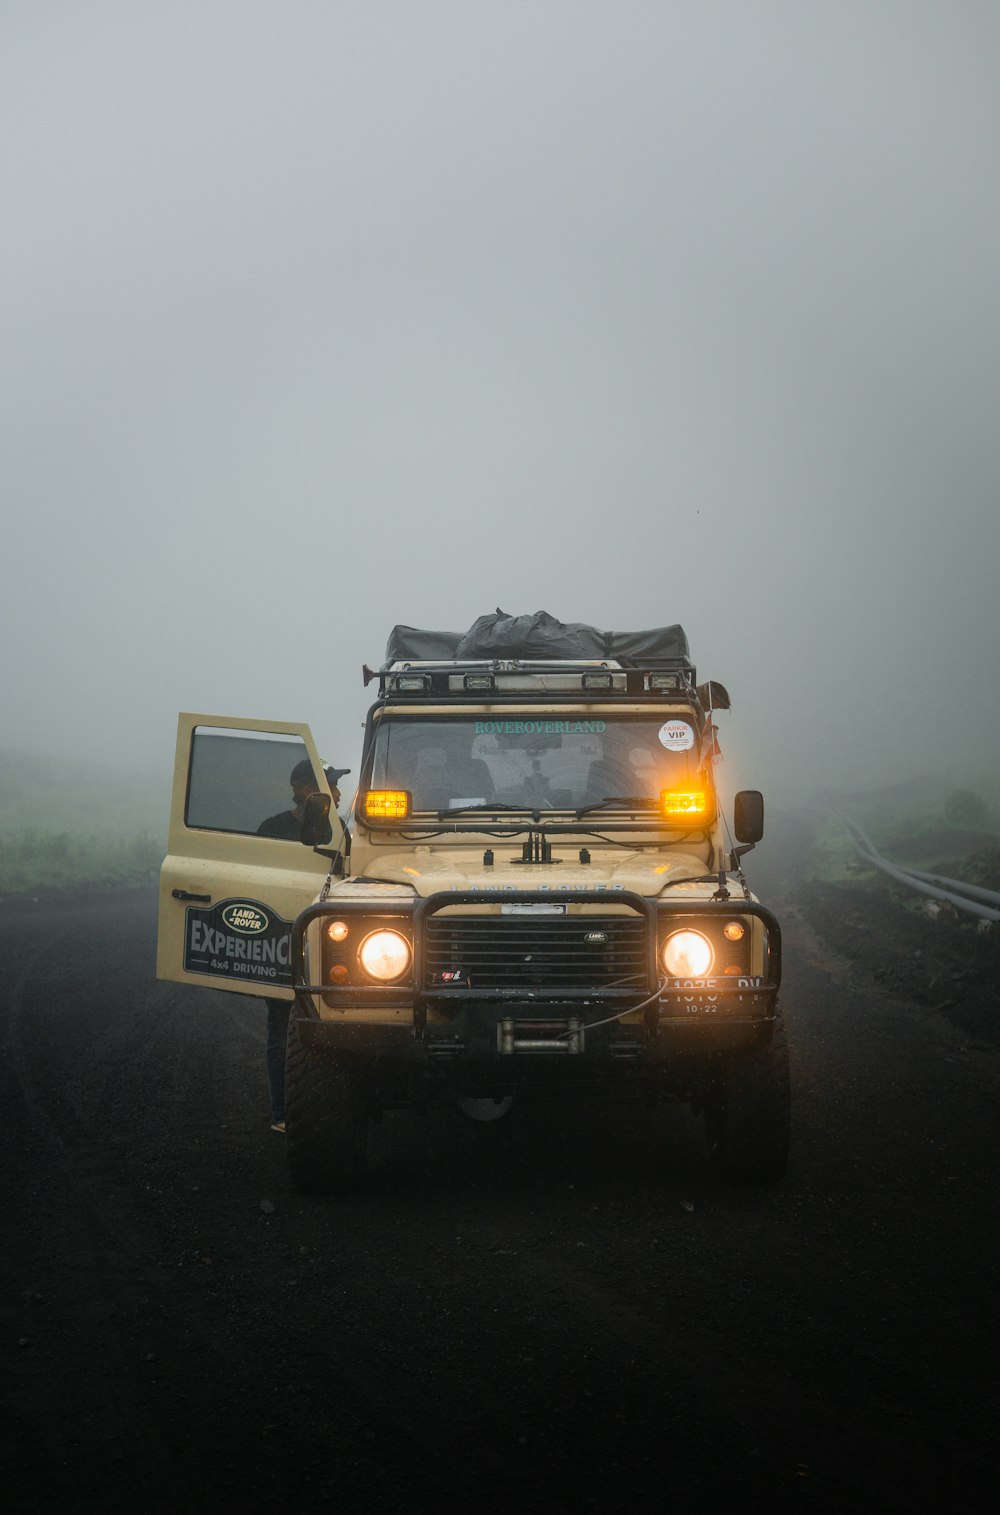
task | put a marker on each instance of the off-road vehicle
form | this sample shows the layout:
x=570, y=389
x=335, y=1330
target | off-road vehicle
x=537, y=892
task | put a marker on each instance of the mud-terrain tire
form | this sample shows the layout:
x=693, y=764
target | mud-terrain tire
x=326, y=1119
x=748, y=1114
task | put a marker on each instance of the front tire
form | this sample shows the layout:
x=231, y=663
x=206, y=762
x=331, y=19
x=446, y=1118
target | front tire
x=748, y=1113
x=326, y=1118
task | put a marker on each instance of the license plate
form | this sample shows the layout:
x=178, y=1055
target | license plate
x=697, y=985
x=541, y=909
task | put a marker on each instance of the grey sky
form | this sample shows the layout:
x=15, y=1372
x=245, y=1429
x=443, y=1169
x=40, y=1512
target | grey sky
x=318, y=317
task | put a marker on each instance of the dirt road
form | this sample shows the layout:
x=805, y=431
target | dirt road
x=567, y=1314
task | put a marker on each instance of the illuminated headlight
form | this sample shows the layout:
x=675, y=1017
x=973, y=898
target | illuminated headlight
x=687, y=954
x=385, y=955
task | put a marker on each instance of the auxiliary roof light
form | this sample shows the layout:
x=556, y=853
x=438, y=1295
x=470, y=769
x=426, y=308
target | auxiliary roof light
x=412, y=683
x=479, y=681
x=686, y=804
x=387, y=804
x=598, y=681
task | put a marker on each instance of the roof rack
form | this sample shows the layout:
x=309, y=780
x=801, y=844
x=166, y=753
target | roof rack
x=525, y=678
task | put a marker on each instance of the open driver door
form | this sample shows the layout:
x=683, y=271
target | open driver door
x=235, y=877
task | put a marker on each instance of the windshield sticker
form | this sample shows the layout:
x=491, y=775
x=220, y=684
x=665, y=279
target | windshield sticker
x=676, y=736
x=541, y=728
x=238, y=939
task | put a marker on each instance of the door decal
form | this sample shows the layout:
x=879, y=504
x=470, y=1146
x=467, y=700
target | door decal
x=238, y=939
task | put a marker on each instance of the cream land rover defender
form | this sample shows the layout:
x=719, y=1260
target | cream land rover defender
x=536, y=891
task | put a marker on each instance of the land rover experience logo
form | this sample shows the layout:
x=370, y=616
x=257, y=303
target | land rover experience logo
x=238, y=939
x=245, y=917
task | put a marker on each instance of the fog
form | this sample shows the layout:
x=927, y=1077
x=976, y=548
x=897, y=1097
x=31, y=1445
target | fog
x=326, y=316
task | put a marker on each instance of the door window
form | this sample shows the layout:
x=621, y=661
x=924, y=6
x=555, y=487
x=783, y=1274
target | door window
x=241, y=781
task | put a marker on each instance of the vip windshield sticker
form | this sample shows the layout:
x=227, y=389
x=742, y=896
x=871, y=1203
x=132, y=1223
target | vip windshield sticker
x=238, y=939
x=676, y=736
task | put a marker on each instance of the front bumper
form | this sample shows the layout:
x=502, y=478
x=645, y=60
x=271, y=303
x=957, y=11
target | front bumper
x=651, y=1021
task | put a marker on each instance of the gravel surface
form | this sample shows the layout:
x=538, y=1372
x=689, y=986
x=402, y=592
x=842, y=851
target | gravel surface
x=885, y=935
x=564, y=1313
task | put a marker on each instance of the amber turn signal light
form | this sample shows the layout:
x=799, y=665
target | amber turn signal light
x=682, y=803
x=387, y=804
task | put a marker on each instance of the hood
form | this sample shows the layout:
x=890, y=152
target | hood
x=430, y=870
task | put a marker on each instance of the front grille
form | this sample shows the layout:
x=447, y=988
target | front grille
x=511, y=952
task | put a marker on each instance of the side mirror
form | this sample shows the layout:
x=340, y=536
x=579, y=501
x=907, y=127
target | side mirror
x=316, y=827
x=748, y=816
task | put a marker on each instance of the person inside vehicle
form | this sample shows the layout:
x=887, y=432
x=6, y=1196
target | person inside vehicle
x=287, y=824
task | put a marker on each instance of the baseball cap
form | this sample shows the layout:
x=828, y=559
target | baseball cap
x=334, y=775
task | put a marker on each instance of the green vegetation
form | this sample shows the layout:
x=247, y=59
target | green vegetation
x=964, y=807
x=63, y=825
x=919, y=824
x=833, y=857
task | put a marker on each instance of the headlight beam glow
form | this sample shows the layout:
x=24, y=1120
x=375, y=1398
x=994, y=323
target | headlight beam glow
x=687, y=954
x=384, y=956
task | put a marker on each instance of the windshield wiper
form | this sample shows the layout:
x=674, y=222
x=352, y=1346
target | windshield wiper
x=638, y=800
x=487, y=807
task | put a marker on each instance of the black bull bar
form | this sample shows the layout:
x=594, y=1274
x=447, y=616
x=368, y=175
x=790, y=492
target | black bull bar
x=411, y=922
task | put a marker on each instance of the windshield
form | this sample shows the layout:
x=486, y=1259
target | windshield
x=547, y=763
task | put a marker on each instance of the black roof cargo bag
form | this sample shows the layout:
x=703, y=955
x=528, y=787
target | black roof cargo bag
x=499, y=635
x=530, y=636
x=644, y=649
x=408, y=645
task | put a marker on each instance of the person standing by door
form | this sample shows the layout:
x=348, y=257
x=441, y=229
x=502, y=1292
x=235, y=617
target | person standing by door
x=287, y=826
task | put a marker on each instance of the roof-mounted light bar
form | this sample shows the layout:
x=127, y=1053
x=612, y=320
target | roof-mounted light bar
x=507, y=678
